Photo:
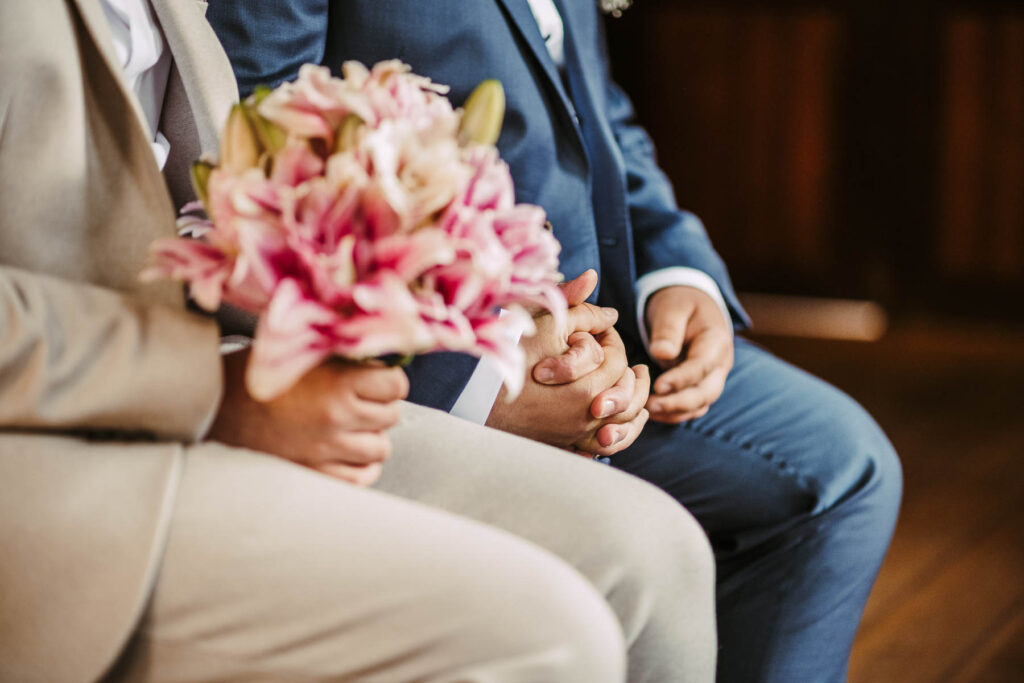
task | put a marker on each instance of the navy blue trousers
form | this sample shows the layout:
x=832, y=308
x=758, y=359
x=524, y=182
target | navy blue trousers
x=798, y=490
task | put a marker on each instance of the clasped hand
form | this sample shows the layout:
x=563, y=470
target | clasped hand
x=581, y=394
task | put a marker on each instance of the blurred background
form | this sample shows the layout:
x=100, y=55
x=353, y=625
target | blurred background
x=860, y=167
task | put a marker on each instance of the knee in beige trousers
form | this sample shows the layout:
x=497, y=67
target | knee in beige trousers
x=645, y=554
x=479, y=557
x=276, y=573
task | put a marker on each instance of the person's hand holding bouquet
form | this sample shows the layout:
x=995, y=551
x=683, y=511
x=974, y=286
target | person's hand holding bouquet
x=362, y=218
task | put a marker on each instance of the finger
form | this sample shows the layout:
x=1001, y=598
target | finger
x=590, y=318
x=359, y=448
x=679, y=418
x=708, y=352
x=691, y=399
x=364, y=475
x=371, y=416
x=583, y=357
x=668, y=332
x=643, y=378
x=638, y=401
x=612, y=370
x=623, y=435
x=615, y=399
x=609, y=435
x=638, y=398
x=580, y=452
x=577, y=290
x=714, y=384
x=381, y=384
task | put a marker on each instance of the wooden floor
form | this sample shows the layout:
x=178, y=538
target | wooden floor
x=949, y=603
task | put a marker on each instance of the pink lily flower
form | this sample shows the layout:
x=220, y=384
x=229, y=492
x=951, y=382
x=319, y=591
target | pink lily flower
x=361, y=227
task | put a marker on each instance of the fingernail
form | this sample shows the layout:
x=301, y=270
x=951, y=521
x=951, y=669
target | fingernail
x=544, y=374
x=616, y=437
x=607, y=408
x=662, y=346
x=609, y=312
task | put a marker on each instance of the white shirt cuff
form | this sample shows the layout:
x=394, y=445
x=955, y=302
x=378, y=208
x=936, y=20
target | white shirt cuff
x=670, y=277
x=234, y=342
x=478, y=396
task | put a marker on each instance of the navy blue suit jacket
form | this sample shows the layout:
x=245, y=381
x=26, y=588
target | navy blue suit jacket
x=572, y=143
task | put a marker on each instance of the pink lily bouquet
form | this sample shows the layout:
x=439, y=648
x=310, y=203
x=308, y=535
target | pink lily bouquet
x=361, y=217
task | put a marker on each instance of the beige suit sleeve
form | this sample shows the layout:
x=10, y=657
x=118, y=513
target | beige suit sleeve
x=76, y=357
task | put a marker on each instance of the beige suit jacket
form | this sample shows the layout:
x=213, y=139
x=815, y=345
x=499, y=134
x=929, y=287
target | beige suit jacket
x=102, y=380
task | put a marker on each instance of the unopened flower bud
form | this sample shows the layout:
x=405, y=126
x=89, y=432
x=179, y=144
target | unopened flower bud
x=200, y=174
x=346, y=136
x=483, y=114
x=259, y=93
x=271, y=136
x=240, y=147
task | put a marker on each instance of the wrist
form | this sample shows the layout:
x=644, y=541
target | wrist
x=225, y=427
x=677, y=276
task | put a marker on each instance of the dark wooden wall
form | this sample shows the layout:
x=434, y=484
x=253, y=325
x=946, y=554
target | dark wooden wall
x=869, y=148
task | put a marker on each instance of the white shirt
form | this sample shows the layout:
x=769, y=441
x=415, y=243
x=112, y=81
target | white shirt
x=478, y=396
x=551, y=29
x=140, y=47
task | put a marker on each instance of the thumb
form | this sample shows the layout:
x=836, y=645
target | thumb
x=668, y=332
x=577, y=290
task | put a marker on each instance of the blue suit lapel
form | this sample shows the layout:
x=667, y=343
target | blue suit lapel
x=522, y=18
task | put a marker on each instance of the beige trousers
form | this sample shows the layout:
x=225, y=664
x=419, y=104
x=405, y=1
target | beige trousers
x=478, y=557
